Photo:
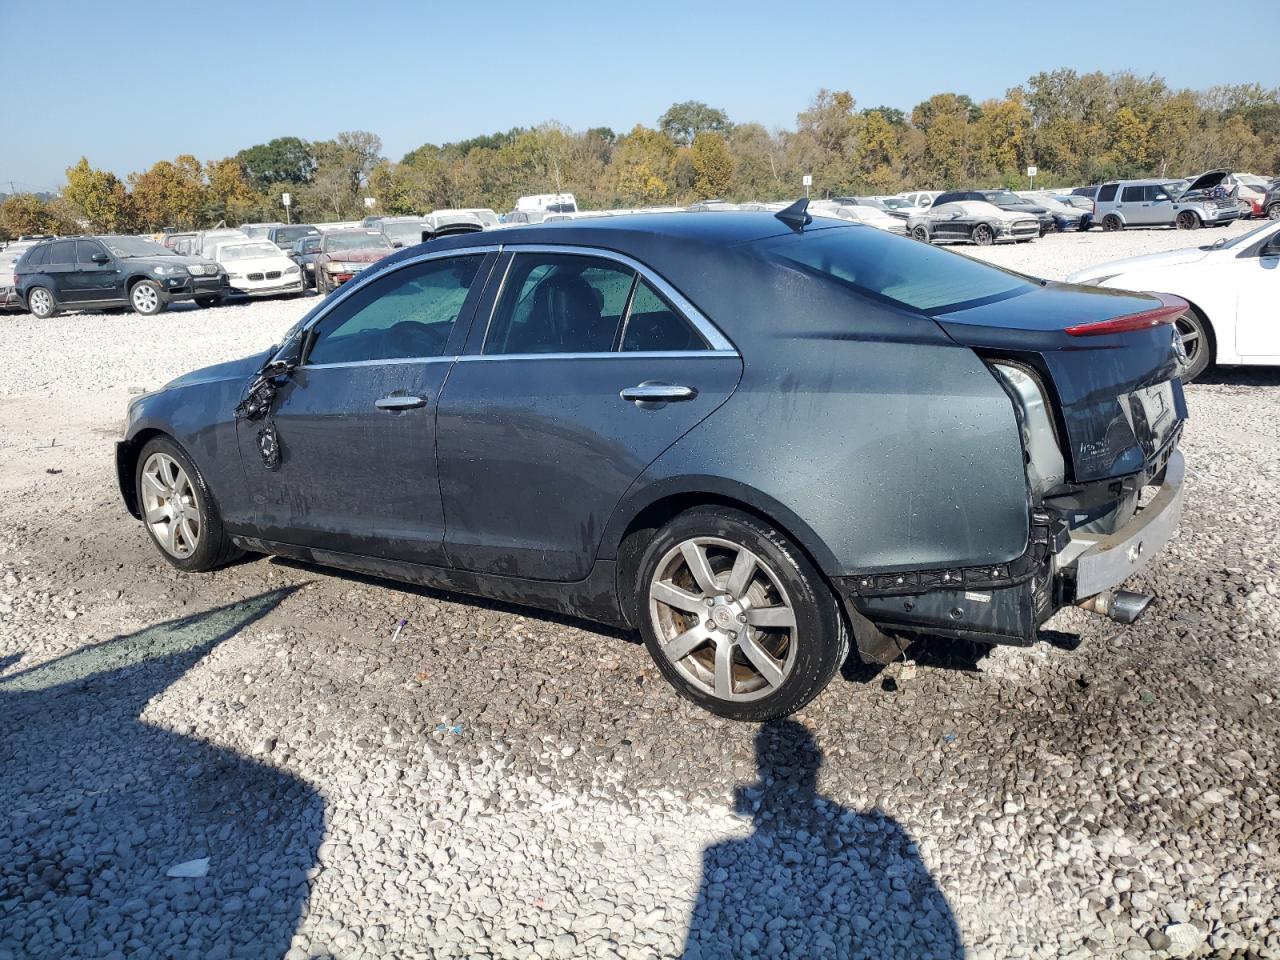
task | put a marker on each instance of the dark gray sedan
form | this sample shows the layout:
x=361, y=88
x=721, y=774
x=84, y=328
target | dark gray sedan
x=755, y=438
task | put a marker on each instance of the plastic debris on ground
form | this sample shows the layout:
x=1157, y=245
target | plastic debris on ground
x=192, y=869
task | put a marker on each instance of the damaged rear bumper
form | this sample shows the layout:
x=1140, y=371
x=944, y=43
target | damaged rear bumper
x=1007, y=603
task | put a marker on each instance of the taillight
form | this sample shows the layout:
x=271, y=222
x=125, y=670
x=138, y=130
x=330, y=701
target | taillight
x=1171, y=307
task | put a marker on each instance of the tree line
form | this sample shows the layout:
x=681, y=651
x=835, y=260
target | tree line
x=1076, y=128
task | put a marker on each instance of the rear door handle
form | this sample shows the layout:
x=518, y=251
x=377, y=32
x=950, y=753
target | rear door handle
x=400, y=403
x=653, y=392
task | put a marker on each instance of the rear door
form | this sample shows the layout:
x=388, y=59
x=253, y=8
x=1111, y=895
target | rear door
x=354, y=425
x=588, y=368
x=59, y=265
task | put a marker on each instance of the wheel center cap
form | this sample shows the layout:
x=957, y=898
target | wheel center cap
x=724, y=617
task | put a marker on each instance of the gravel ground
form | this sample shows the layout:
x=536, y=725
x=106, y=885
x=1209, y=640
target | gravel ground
x=497, y=782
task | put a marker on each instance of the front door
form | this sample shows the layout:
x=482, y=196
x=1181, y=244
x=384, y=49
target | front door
x=354, y=425
x=586, y=373
x=92, y=282
x=1257, y=282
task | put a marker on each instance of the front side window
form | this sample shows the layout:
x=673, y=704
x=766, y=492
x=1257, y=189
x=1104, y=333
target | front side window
x=559, y=303
x=1134, y=194
x=406, y=315
x=86, y=250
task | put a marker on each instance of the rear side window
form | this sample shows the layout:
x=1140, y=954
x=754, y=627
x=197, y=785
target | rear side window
x=1108, y=192
x=408, y=314
x=62, y=252
x=559, y=303
x=895, y=270
x=652, y=324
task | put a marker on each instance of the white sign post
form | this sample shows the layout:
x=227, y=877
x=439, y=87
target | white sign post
x=1031, y=172
x=369, y=202
x=808, y=182
x=288, y=202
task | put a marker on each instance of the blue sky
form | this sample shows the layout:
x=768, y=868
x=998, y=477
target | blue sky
x=128, y=83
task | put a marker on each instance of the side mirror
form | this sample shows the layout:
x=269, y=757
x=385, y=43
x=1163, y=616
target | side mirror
x=397, y=243
x=1161, y=197
x=101, y=258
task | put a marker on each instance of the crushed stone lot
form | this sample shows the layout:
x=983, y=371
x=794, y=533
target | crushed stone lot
x=490, y=781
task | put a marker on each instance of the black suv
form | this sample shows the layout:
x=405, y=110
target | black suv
x=1005, y=200
x=113, y=271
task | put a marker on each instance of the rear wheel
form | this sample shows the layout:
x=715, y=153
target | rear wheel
x=921, y=234
x=178, y=509
x=982, y=235
x=146, y=298
x=1111, y=223
x=738, y=620
x=1186, y=220
x=1194, y=334
x=41, y=303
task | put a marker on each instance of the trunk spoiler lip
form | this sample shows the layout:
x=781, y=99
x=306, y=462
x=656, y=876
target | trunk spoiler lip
x=1170, y=308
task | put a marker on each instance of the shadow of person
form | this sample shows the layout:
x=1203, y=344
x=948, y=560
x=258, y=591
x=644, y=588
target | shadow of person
x=98, y=805
x=814, y=879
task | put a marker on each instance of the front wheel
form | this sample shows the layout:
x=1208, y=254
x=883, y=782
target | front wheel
x=1186, y=220
x=41, y=303
x=178, y=509
x=982, y=235
x=1273, y=212
x=737, y=619
x=146, y=298
x=921, y=234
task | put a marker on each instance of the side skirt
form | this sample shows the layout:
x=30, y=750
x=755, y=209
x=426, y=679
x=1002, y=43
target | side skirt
x=595, y=598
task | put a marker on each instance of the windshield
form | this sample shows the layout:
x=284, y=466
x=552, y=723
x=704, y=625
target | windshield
x=288, y=236
x=247, y=251
x=1251, y=180
x=1007, y=196
x=135, y=247
x=895, y=203
x=1243, y=239
x=407, y=233
x=896, y=270
x=356, y=241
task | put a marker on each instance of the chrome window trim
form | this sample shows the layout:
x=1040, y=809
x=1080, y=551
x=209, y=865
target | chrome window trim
x=447, y=358
x=716, y=340
x=610, y=355
x=353, y=286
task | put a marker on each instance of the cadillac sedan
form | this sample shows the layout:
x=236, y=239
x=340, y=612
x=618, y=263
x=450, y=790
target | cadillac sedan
x=756, y=438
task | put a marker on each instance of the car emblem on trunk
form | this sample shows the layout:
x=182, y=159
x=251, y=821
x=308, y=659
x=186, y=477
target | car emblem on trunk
x=1179, y=348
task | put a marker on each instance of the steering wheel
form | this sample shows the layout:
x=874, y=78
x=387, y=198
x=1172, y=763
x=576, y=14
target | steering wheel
x=408, y=338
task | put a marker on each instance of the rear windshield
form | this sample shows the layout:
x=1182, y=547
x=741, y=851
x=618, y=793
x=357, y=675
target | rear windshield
x=903, y=272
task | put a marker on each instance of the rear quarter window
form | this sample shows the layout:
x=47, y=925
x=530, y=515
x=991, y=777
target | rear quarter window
x=895, y=270
x=1108, y=192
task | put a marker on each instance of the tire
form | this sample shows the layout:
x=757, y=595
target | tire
x=322, y=283
x=41, y=303
x=1273, y=211
x=771, y=668
x=206, y=302
x=192, y=548
x=1198, y=343
x=1112, y=224
x=921, y=234
x=982, y=235
x=146, y=298
x=1186, y=220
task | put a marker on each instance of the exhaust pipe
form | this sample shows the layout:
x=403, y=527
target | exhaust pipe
x=1122, y=606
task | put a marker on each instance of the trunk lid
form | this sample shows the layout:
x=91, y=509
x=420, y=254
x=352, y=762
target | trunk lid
x=1117, y=395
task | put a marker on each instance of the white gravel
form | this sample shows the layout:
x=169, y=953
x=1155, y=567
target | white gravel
x=493, y=782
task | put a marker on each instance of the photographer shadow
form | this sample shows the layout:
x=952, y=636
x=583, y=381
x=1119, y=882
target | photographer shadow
x=814, y=879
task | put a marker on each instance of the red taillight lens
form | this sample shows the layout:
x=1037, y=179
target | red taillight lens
x=1170, y=308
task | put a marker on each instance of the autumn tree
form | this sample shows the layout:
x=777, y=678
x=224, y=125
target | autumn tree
x=642, y=167
x=25, y=213
x=100, y=198
x=229, y=196
x=170, y=194
x=712, y=165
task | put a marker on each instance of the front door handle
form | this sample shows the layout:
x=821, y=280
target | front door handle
x=400, y=403
x=653, y=392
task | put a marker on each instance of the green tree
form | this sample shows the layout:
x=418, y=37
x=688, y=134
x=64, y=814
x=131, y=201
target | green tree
x=100, y=198
x=642, y=167
x=684, y=121
x=284, y=160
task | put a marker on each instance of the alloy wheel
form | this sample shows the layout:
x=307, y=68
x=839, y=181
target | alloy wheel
x=1187, y=220
x=40, y=302
x=144, y=298
x=982, y=235
x=170, y=505
x=723, y=619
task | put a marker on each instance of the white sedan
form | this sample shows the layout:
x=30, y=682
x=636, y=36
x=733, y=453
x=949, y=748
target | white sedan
x=258, y=268
x=1233, y=287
